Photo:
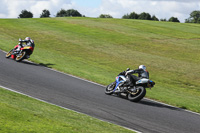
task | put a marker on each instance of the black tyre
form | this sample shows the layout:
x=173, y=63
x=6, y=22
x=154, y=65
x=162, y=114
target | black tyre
x=109, y=89
x=9, y=54
x=21, y=56
x=138, y=95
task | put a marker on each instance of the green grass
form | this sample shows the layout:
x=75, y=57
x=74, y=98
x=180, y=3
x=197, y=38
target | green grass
x=23, y=114
x=98, y=49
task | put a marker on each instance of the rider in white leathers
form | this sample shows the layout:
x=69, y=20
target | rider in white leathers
x=142, y=73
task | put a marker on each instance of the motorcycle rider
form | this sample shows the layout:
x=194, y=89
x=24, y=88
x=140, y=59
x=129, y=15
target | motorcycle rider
x=142, y=73
x=28, y=42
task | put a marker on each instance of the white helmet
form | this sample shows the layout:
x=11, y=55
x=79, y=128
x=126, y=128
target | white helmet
x=27, y=39
x=142, y=67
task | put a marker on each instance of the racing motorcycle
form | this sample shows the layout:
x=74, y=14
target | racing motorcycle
x=135, y=94
x=24, y=52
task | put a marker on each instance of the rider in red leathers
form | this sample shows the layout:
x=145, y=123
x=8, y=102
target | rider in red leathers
x=28, y=42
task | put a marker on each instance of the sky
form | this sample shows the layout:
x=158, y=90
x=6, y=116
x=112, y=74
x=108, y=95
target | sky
x=93, y=8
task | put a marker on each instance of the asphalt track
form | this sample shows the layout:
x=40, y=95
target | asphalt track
x=64, y=90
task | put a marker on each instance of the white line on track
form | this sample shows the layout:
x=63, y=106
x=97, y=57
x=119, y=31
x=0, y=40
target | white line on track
x=64, y=107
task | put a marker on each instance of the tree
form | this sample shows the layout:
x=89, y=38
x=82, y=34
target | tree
x=173, y=19
x=61, y=13
x=68, y=13
x=194, y=17
x=25, y=14
x=133, y=15
x=163, y=19
x=45, y=13
x=105, y=16
x=154, y=18
x=126, y=16
x=145, y=16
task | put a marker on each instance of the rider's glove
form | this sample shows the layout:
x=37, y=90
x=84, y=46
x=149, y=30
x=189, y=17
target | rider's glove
x=126, y=73
x=130, y=71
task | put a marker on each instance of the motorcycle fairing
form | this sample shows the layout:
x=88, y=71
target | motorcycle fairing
x=149, y=82
x=27, y=47
x=142, y=81
x=119, y=79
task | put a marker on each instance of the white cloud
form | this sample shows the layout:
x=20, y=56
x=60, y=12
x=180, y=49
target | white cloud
x=12, y=8
x=52, y=5
x=3, y=9
x=161, y=8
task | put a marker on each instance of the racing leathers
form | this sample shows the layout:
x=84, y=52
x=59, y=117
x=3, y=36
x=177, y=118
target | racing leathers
x=27, y=43
x=132, y=78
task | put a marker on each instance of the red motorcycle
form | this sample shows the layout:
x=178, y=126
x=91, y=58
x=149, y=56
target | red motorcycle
x=24, y=53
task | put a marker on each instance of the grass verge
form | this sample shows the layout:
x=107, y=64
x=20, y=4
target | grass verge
x=20, y=113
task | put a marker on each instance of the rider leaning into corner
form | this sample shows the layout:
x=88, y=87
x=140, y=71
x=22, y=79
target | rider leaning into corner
x=142, y=73
x=28, y=42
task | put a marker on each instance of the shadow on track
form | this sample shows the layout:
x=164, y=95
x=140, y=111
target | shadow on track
x=159, y=105
x=150, y=103
x=46, y=65
x=40, y=64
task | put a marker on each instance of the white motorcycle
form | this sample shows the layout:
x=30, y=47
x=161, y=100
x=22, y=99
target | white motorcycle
x=135, y=94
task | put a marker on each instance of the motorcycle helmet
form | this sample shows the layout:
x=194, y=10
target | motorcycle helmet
x=27, y=39
x=142, y=67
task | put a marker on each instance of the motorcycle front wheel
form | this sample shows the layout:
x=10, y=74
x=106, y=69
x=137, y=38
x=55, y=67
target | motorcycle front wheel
x=21, y=56
x=9, y=54
x=138, y=95
x=109, y=89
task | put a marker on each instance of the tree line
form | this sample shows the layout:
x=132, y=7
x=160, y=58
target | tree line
x=147, y=16
x=194, y=16
x=46, y=13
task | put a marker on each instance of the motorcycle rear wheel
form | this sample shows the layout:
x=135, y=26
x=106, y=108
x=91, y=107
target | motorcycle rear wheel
x=21, y=56
x=138, y=95
x=109, y=89
x=8, y=55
